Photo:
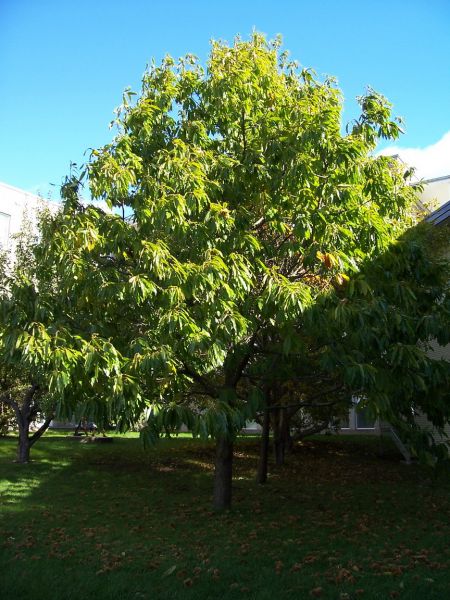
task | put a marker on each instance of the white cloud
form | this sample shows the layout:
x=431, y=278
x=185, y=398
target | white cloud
x=431, y=161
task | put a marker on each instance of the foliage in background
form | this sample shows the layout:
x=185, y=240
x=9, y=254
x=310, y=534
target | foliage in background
x=7, y=418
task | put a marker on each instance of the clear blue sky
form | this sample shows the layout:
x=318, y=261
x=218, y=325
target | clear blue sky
x=63, y=65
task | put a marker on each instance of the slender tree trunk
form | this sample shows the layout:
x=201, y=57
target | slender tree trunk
x=25, y=414
x=264, y=451
x=279, y=441
x=23, y=449
x=25, y=440
x=223, y=474
x=289, y=440
x=279, y=452
x=286, y=433
x=283, y=441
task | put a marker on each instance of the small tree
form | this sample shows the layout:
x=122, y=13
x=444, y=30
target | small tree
x=22, y=390
x=383, y=323
x=239, y=204
x=51, y=362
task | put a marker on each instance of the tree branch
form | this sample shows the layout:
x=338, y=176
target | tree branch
x=37, y=434
x=259, y=223
x=208, y=387
x=316, y=428
x=303, y=405
x=233, y=380
x=9, y=401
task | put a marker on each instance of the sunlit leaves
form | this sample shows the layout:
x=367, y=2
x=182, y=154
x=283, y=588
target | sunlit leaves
x=244, y=226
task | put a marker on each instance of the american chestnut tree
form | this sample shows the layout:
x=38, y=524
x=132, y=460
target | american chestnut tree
x=236, y=205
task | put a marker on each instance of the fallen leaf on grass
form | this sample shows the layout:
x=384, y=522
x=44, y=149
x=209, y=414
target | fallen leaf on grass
x=169, y=571
x=344, y=575
x=316, y=592
x=182, y=574
x=278, y=566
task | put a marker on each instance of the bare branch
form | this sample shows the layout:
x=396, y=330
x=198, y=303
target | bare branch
x=259, y=223
x=37, y=434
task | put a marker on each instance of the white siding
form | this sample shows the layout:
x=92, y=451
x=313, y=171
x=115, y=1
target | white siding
x=436, y=192
x=5, y=226
x=15, y=205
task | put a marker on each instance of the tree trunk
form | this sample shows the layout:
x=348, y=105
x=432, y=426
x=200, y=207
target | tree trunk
x=23, y=449
x=25, y=441
x=279, y=448
x=283, y=441
x=25, y=413
x=279, y=440
x=287, y=432
x=264, y=452
x=223, y=474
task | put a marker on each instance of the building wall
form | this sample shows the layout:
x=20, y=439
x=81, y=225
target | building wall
x=15, y=205
x=438, y=352
x=436, y=192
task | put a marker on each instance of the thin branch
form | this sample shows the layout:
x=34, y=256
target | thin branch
x=9, y=401
x=37, y=434
x=298, y=378
x=232, y=382
x=259, y=223
x=207, y=386
x=303, y=405
x=316, y=428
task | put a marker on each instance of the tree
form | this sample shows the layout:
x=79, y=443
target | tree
x=51, y=363
x=238, y=206
x=21, y=389
x=385, y=322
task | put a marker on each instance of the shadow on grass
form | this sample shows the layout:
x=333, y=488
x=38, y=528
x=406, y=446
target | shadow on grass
x=114, y=521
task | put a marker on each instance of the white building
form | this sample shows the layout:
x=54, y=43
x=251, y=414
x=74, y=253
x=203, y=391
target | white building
x=436, y=191
x=15, y=206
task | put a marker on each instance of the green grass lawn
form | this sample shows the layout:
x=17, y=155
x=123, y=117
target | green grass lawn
x=114, y=522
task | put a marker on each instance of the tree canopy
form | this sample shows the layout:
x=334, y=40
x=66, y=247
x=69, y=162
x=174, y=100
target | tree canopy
x=46, y=356
x=236, y=251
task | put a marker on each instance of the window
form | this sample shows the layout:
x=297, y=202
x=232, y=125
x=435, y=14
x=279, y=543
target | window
x=4, y=230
